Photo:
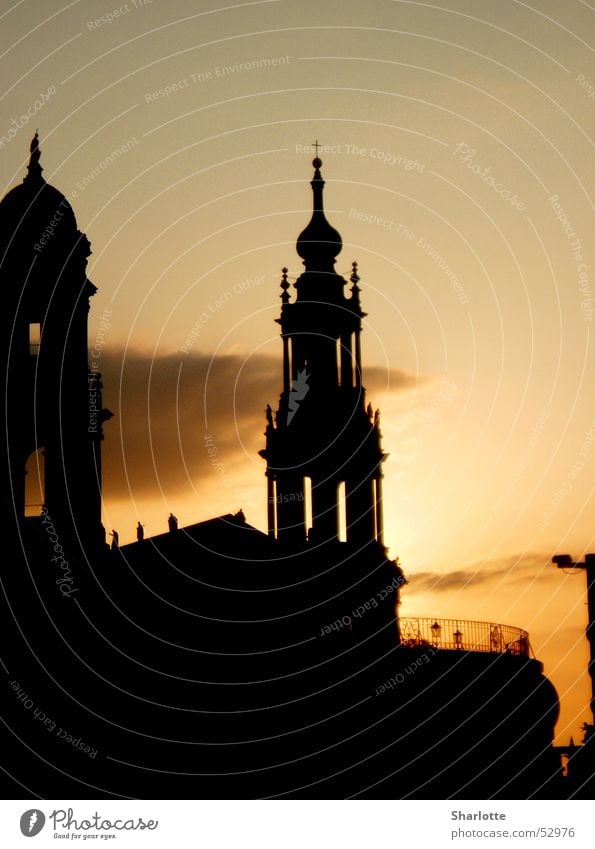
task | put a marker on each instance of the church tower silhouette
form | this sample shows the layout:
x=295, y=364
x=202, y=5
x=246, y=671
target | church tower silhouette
x=323, y=450
x=51, y=412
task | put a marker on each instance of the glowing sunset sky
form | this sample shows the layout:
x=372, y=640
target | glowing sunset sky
x=456, y=147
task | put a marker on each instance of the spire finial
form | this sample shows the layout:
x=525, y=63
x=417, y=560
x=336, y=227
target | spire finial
x=317, y=161
x=285, y=286
x=355, y=278
x=34, y=168
x=355, y=289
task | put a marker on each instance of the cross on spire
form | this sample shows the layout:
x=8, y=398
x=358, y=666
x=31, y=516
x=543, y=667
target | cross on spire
x=316, y=146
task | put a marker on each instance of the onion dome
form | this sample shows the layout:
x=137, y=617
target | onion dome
x=319, y=243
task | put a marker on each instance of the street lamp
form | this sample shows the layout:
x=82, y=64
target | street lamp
x=565, y=561
x=436, y=630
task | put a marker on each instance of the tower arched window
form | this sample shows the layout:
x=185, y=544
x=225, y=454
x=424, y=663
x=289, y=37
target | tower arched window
x=341, y=512
x=35, y=483
x=308, y=503
x=34, y=338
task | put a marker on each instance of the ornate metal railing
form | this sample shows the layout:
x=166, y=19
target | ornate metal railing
x=462, y=635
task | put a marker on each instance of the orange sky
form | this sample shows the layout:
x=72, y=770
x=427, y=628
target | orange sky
x=457, y=142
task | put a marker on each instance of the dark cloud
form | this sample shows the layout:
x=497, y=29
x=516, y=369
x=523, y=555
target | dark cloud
x=513, y=569
x=165, y=405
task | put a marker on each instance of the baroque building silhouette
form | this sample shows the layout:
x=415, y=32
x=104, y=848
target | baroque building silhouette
x=217, y=661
